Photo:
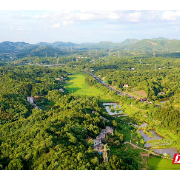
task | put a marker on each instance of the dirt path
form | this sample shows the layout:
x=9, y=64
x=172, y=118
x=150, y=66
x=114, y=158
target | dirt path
x=146, y=150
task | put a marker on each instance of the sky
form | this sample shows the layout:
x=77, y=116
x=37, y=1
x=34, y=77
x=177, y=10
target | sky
x=25, y=24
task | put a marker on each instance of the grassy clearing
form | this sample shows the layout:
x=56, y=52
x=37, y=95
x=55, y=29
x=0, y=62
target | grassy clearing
x=162, y=164
x=77, y=85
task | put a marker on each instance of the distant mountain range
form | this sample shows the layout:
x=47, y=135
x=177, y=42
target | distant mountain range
x=155, y=44
x=43, y=48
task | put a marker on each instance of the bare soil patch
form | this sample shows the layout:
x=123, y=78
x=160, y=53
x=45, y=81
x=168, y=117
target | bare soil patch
x=141, y=93
x=115, y=87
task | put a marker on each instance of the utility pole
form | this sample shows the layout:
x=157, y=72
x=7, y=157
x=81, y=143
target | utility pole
x=55, y=54
x=71, y=48
x=29, y=58
x=76, y=58
x=105, y=157
x=57, y=60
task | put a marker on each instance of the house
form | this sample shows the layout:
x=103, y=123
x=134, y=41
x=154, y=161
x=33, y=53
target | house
x=61, y=90
x=30, y=100
x=99, y=147
x=161, y=93
x=101, y=136
x=97, y=142
x=58, y=79
x=126, y=85
x=109, y=130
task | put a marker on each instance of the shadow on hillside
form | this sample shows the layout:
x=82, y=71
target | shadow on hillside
x=73, y=90
x=153, y=162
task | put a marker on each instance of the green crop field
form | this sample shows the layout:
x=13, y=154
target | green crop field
x=162, y=164
x=77, y=85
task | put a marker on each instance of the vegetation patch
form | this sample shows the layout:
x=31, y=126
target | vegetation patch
x=78, y=86
x=158, y=163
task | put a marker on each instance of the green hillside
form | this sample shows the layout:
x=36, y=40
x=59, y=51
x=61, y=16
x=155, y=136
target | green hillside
x=155, y=45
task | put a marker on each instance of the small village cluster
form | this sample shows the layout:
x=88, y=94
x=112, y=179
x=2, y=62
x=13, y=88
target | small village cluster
x=101, y=136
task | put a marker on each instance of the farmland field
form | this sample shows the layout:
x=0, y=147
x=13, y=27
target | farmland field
x=77, y=85
x=162, y=164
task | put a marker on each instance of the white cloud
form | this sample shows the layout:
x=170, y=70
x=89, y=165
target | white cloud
x=170, y=15
x=11, y=27
x=134, y=17
x=20, y=29
x=65, y=23
x=56, y=25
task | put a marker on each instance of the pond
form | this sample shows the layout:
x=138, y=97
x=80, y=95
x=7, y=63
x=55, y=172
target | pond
x=108, y=106
x=170, y=151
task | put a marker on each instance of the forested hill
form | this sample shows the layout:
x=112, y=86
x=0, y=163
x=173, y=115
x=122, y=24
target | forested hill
x=8, y=47
x=53, y=137
x=43, y=49
x=155, y=44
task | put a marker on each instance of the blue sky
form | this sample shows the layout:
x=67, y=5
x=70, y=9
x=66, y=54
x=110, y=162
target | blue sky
x=82, y=26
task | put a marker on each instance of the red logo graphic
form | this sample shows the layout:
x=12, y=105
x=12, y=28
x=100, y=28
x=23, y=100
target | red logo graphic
x=176, y=159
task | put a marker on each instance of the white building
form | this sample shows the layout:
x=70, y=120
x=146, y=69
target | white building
x=126, y=85
x=30, y=100
x=109, y=130
x=61, y=90
x=97, y=142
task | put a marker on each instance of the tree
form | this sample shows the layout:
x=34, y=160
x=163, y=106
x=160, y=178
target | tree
x=15, y=164
x=114, y=123
x=95, y=160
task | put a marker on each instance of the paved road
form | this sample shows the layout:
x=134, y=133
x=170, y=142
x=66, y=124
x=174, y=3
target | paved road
x=112, y=89
x=109, y=87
